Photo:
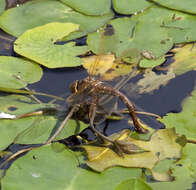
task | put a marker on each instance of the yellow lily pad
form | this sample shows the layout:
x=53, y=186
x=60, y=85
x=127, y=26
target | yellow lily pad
x=162, y=145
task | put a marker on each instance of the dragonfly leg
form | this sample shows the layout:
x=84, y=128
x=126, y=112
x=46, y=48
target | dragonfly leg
x=127, y=102
x=62, y=125
x=92, y=113
x=111, y=91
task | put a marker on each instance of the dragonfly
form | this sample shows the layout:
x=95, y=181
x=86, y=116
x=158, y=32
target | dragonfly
x=91, y=93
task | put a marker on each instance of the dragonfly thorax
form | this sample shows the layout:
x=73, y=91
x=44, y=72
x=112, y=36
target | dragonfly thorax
x=87, y=83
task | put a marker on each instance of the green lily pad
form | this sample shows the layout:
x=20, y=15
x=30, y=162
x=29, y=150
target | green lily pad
x=182, y=5
x=180, y=26
x=133, y=184
x=17, y=72
x=185, y=121
x=162, y=145
x=183, y=172
x=130, y=6
x=2, y=6
x=128, y=33
x=90, y=7
x=146, y=63
x=184, y=59
x=31, y=130
x=40, y=12
x=39, y=167
x=39, y=131
x=38, y=44
x=15, y=105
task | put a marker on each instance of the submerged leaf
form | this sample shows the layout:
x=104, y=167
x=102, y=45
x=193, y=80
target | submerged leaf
x=38, y=168
x=40, y=12
x=39, y=44
x=90, y=7
x=162, y=145
x=150, y=82
x=184, y=59
x=17, y=72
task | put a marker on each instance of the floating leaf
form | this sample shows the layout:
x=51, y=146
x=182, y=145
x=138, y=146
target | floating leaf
x=42, y=128
x=162, y=172
x=40, y=12
x=38, y=168
x=182, y=5
x=90, y=7
x=98, y=65
x=39, y=45
x=118, y=69
x=146, y=63
x=185, y=121
x=183, y=172
x=127, y=33
x=130, y=6
x=17, y=72
x=180, y=26
x=133, y=184
x=2, y=6
x=184, y=59
x=35, y=129
x=15, y=104
x=162, y=145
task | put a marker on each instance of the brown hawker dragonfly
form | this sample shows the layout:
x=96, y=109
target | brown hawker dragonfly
x=91, y=92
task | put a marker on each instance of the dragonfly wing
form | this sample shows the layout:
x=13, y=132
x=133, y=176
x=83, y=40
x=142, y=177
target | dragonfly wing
x=38, y=132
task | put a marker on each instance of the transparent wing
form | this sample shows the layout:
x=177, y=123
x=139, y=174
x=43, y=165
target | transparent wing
x=38, y=132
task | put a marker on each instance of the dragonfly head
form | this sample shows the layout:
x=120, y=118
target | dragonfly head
x=74, y=87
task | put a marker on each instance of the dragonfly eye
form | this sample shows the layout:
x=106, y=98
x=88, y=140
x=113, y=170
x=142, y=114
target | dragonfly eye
x=74, y=87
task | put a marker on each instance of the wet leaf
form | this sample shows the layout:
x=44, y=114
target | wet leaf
x=118, y=69
x=130, y=6
x=40, y=12
x=162, y=145
x=133, y=184
x=90, y=7
x=2, y=6
x=150, y=82
x=146, y=63
x=12, y=68
x=39, y=45
x=182, y=5
x=185, y=121
x=184, y=59
x=38, y=168
x=98, y=65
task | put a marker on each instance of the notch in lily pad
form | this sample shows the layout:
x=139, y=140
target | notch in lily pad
x=38, y=44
